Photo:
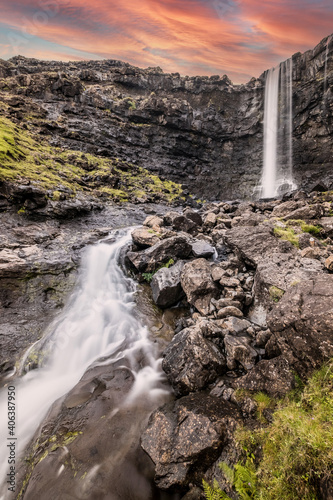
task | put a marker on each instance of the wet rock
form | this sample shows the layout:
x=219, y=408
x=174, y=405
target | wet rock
x=185, y=437
x=166, y=285
x=302, y=322
x=238, y=349
x=150, y=259
x=272, y=376
x=145, y=237
x=202, y=249
x=191, y=361
x=198, y=285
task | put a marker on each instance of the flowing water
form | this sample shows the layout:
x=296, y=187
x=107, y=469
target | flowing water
x=277, y=176
x=98, y=324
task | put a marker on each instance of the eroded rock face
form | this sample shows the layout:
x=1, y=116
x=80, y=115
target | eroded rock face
x=303, y=321
x=186, y=436
x=198, y=284
x=192, y=361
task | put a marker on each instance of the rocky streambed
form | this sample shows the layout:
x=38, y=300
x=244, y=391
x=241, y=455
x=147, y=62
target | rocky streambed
x=242, y=295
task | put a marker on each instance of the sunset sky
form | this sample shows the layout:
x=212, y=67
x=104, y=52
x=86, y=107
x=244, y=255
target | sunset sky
x=239, y=38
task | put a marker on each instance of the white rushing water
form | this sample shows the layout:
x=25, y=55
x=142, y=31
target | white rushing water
x=326, y=61
x=277, y=176
x=270, y=132
x=98, y=322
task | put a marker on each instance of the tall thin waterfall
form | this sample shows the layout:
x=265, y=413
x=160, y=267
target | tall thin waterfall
x=277, y=177
x=329, y=39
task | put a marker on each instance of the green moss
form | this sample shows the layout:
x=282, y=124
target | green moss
x=23, y=158
x=306, y=228
x=276, y=293
x=287, y=234
x=295, y=451
x=149, y=276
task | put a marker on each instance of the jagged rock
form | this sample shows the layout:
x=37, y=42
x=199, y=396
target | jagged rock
x=229, y=311
x=180, y=222
x=313, y=253
x=198, y=285
x=305, y=213
x=302, y=323
x=202, y=249
x=144, y=237
x=239, y=349
x=194, y=216
x=217, y=273
x=327, y=225
x=166, y=285
x=287, y=207
x=148, y=260
x=191, y=361
x=210, y=220
x=262, y=338
x=272, y=376
x=185, y=437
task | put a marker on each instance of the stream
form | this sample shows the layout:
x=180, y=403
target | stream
x=96, y=364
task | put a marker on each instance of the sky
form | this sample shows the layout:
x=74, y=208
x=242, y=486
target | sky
x=240, y=38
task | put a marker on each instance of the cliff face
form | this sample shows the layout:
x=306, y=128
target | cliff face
x=204, y=132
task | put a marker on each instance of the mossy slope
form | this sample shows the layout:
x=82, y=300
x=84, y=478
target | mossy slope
x=24, y=159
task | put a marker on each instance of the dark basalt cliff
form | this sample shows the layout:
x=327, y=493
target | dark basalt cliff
x=204, y=132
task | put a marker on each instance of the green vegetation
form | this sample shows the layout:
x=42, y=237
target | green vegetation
x=287, y=234
x=306, y=228
x=149, y=276
x=66, y=173
x=287, y=458
x=276, y=293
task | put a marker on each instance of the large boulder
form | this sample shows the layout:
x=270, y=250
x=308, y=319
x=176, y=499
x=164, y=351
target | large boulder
x=166, y=286
x=273, y=376
x=191, y=361
x=202, y=249
x=302, y=323
x=151, y=258
x=143, y=237
x=186, y=436
x=198, y=285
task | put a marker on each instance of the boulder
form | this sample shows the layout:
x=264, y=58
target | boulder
x=303, y=323
x=154, y=222
x=151, y=258
x=194, y=216
x=180, y=222
x=186, y=436
x=143, y=237
x=229, y=311
x=202, y=249
x=198, y=285
x=238, y=349
x=191, y=361
x=273, y=376
x=210, y=220
x=166, y=285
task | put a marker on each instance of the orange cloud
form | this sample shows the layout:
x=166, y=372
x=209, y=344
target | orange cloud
x=241, y=38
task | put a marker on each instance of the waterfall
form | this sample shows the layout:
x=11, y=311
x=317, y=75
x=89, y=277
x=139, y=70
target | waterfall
x=277, y=177
x=326, y=62
x=97, y=327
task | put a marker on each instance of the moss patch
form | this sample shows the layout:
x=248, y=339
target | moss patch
x=65, y=173
x=287, y=234
x=276, y=293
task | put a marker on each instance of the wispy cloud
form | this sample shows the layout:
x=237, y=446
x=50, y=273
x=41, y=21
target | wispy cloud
x=241, y=38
